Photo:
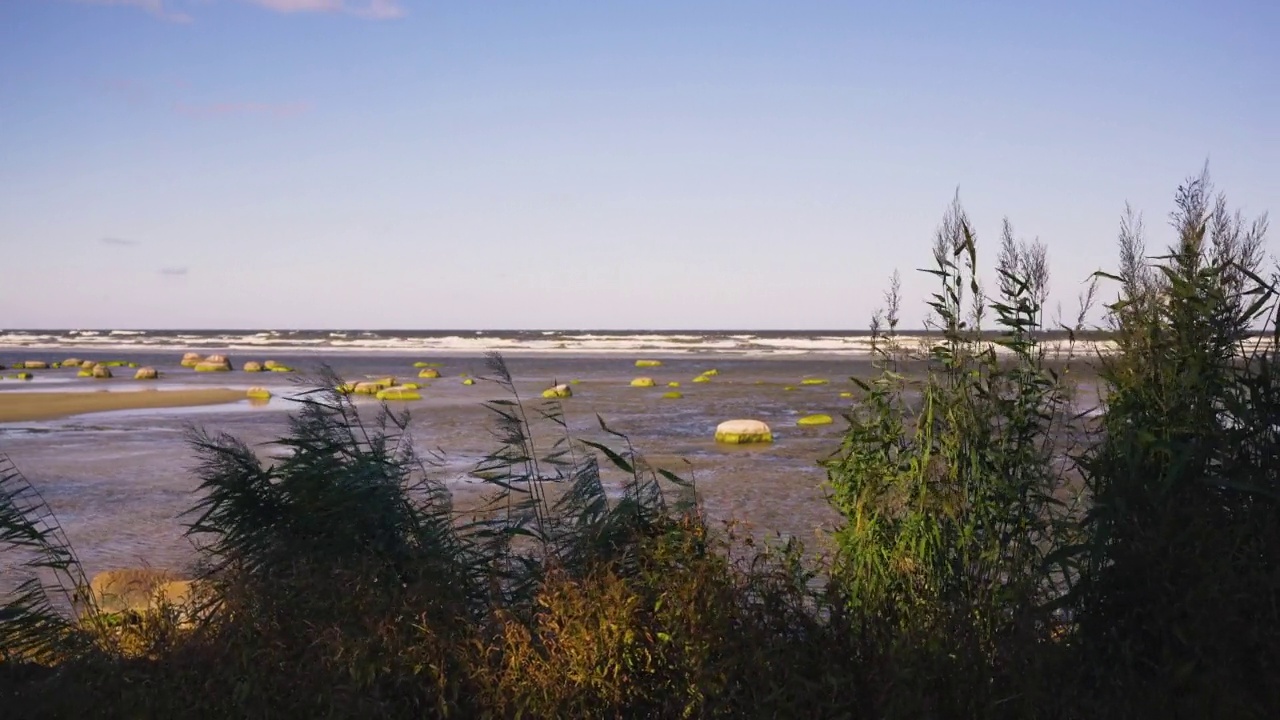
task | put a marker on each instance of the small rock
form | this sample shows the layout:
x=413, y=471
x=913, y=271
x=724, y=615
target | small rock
x=642, y=382
x=559, y=391
x=146, y=373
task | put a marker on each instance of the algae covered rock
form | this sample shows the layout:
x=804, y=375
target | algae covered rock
x=191, y=359
x=740, y=432
x=429, y=373
x=139, y=590
x=846, y=394
x=271, y=365
x=33, y=365
x=102, y=372
x=648, y=363
x=819, y=419
x=673, y=395
x=212, y=367
x=253, y=366
x=642, y=382
x=468, y=381
x=88, y=364
x=702, y=379
x=84, y=372
x=258, y=393
x=71, y=362
x=673, y=383
x=398, y=393
x=23, y=376
x=813, y=381
x=146, y=373
x=424, y=364
x=559, y=391
x=280, y=368
x=711, y=373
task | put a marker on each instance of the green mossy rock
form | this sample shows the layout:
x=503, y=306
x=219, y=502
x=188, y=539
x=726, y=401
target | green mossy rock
x=819, y=419
x=559, y=391
x=33, y=365
x=280, y=368
x=88, y=364
x=23, y=376
x=574, y=382
x=270, y=365
x=258, y=393
x=673, y=383
x=70, y=362
x=642, y=382
x=55, y=366
x=84, y=372
x=702, y=379
x=411, y=386
x=648, y=363
x=789, y=388
x=673, y=395
x=813, y=381
x=212, y=367
x=367, y=388
x=114, y=363
x=468, y=381
x=132, y=365
x=191, y=359
x=846, y=394
x=740, y=432
x=253, y=366
x=711, y=373
x=421, y=364
x=146, y=373
x=398, y=393
x=429, y=373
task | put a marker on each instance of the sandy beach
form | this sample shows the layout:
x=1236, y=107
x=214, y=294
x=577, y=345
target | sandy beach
x=27, y=406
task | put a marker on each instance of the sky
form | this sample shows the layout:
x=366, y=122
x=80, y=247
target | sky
x=298, y=164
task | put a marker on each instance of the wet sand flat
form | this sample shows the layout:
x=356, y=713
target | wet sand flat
x=27, y=406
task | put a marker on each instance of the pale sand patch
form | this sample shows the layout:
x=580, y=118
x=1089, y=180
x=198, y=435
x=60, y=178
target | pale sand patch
x=23, y=406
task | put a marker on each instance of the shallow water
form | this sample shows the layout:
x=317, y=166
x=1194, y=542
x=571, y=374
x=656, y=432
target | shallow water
x=119, y=481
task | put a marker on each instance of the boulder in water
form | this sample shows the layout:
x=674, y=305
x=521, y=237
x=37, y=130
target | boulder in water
x=846, y=394
x=559, y=391
x=702, y=379
x=398, y=393
x=429, y=373
x=280, y=368
x=34, y=365
x=739, y=432
x=71, y=362
x=819, y=419
x=673, y=383
x=139, y=590
x=253, y=366
x=673, y=395
x=258, y=393
x=642, y=382
x=813, y=381
x=191, y=359
x=212, y=367
x=23, y=376
x=648, y=363
x=146, y=373
x=468, y=381
x=102, y=372
x=711, y=373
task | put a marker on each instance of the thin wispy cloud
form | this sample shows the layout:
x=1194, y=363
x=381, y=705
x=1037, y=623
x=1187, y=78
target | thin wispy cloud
x=158, y=8
x=117, y=242
x=174, y=271
x=369, y=9
x=241, y=109
x=373, y=9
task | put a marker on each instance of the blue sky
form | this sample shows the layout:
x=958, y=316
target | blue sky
x=405, y=164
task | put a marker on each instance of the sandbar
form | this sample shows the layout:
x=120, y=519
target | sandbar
x=25, y=406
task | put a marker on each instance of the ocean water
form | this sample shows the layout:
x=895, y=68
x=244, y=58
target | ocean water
x=120, y=481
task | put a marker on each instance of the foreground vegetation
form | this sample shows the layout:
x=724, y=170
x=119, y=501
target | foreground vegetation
x=1002, y=553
